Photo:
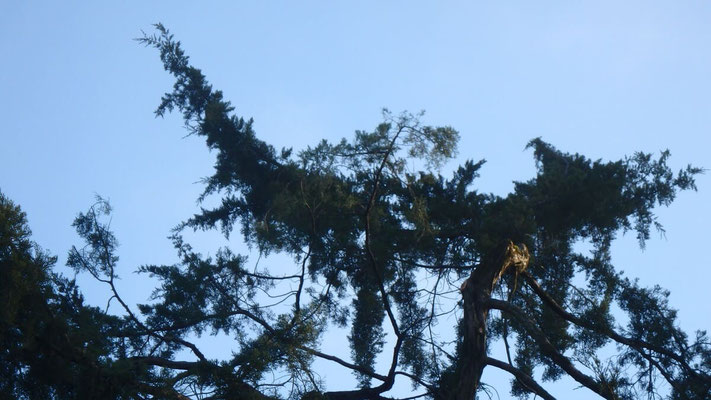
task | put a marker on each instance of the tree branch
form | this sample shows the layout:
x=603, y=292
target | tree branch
x=165, y=363
x=550, y=350
x=344, y=363
x=521, y=376
x=636, y=344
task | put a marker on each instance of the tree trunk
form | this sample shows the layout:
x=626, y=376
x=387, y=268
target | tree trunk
x=473, y=351
x=476, y=291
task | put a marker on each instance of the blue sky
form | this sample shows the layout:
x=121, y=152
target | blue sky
x=601, y=78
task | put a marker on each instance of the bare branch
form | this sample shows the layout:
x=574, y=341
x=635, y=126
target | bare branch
x=521, y=376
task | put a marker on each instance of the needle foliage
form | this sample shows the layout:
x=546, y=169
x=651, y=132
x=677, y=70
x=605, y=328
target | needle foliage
x=424, y=272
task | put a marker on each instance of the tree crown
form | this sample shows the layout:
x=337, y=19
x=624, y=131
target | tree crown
x=387, y=246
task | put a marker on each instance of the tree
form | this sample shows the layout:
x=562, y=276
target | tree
x=53, y=346
x=378, y=245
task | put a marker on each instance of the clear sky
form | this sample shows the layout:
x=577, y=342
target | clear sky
x=603, y=78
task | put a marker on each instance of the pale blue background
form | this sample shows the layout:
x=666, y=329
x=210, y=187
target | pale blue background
x=601, y=78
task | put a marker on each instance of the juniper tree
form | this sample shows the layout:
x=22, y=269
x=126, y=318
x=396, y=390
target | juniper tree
x=378, y=247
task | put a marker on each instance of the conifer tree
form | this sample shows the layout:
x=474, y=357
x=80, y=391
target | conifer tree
x=379, y=247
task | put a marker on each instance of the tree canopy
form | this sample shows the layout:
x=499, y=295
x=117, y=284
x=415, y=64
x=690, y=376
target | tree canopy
x=382, y=244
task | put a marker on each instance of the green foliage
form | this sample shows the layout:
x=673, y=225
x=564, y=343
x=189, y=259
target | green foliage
x=361, y=222
x=381, y=242
x=53, y=346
